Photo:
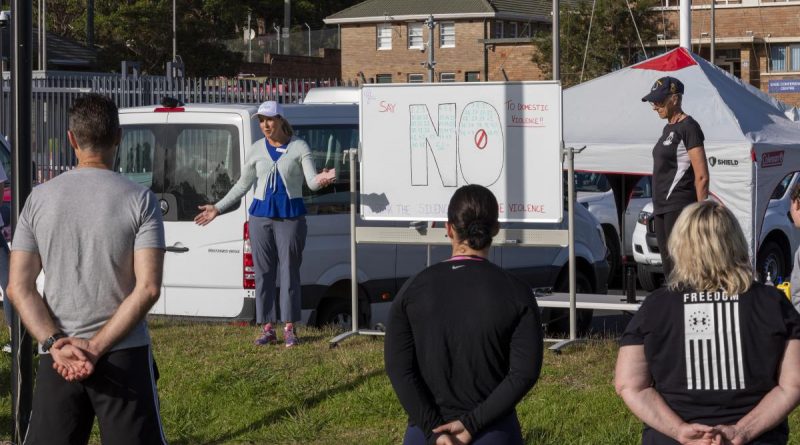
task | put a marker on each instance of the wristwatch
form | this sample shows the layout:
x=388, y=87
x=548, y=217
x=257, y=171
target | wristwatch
x=51, y=340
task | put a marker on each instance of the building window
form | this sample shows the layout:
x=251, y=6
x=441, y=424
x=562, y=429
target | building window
x=383, y=78
x=498, y=30
x=416, y=78
x=777, y=58
x=447, y=77
x=784, y=57
x=526, y=30
x=511, y=30
x=472, y=76
x=384, y=32
x=415, y=36
x=794, y=57
x=447, y=34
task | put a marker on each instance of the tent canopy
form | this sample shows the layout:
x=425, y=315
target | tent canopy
x=750, y=142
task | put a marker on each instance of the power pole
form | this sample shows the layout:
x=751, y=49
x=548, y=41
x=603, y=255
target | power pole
x=431, y=63
x=21, y=95
x=556, y=40
x=90, y=23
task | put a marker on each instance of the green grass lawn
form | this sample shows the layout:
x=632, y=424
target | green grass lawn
x=217, y=388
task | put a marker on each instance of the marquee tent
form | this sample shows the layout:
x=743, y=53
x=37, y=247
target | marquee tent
x=750, y=143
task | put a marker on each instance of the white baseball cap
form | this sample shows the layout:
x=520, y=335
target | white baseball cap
x=269, y=108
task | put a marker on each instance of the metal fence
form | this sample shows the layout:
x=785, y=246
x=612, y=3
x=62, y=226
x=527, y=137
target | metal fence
x=54, y=93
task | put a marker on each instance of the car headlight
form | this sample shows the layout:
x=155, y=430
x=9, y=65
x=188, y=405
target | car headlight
x=644, y=217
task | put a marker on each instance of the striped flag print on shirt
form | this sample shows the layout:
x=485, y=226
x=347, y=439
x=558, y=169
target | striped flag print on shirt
x=713, y=341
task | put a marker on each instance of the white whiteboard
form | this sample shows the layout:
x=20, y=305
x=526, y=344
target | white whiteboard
x=420, y=142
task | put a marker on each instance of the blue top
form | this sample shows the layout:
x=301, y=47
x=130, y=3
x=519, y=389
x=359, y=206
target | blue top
x=276, y=203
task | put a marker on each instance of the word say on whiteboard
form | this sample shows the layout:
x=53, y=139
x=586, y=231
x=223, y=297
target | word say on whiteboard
x=420, y=142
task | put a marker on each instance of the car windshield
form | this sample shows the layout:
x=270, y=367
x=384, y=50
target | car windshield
x=782, y=187
x=591, y=182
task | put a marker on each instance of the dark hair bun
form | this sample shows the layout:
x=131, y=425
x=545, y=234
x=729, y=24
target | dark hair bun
x=478, y=235
x=473, y=214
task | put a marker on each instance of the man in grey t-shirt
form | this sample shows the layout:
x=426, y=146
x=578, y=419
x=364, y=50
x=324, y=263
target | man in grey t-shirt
x=100, y=239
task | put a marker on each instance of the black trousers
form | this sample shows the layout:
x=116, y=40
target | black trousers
x=121, y=392
x=663, y=226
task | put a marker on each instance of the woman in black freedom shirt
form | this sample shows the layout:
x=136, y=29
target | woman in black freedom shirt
x=680, y=172
x=715, y=355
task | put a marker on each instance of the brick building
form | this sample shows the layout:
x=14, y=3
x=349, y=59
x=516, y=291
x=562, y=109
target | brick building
x=473, y=40
x=757, y=40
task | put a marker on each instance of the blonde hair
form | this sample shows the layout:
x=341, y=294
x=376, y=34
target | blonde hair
x=709, y=251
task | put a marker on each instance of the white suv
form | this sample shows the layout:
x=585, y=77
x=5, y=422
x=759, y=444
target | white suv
x=778, y=241
x=594, y=192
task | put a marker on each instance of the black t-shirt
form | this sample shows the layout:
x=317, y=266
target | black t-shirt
x=464, y=341
x=673, y=175
x=713, y=356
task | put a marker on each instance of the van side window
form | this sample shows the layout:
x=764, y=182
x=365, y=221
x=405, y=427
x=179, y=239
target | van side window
x=201, y=166
x=135, y=155
x=328, y=144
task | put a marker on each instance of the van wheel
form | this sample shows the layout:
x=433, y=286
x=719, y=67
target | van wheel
x=614, y=257
x=335, y=312
x=649, y=280
x=771, y=259
x=556, y=321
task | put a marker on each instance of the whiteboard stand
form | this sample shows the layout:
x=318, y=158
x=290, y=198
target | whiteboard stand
x=354, y=314
x=568, y=155
x=421, y=233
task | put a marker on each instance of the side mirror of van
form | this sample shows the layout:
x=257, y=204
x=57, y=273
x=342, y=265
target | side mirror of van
x=638, y=192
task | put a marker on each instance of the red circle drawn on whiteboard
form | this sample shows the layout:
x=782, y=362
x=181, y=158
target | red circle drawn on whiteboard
x=481, y=139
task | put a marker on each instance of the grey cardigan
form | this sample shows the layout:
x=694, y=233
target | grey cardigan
x=294, y=165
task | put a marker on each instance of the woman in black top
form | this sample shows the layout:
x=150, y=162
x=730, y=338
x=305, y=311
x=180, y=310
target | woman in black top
x=680, y=172
x=464, y=340
x=715, y=355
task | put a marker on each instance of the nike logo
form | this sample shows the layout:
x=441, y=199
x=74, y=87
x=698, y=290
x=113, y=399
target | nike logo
x=459, y=266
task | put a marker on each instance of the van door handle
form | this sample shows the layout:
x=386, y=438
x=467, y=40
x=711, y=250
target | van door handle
x=177, y=249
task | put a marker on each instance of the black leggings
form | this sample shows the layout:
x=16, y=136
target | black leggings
x=663, y=225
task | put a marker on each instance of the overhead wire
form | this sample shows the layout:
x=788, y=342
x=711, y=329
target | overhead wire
x=636, y=28
x=588, y=35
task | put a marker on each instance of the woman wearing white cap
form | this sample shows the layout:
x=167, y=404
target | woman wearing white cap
x=277, y=166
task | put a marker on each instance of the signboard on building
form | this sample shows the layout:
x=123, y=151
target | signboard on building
x=420, y=142
x=784, y=86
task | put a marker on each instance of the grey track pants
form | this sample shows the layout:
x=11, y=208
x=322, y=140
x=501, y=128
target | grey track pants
x=277, y=245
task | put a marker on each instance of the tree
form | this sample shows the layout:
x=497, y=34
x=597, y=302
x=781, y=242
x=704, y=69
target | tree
x=613, y=42
x=141, y=30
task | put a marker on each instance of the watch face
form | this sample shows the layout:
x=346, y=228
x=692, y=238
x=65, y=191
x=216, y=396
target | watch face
x=51, y=340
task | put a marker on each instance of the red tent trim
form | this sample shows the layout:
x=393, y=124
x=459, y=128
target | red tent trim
x=672, y=61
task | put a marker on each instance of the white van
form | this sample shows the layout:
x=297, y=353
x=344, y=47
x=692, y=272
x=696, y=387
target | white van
x=191, y=155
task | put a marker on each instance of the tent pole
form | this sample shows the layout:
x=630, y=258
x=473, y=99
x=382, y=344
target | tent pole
x=686, y=24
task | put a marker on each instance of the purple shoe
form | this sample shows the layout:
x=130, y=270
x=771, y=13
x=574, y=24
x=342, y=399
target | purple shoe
x=268, y=336
x=289, y=338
